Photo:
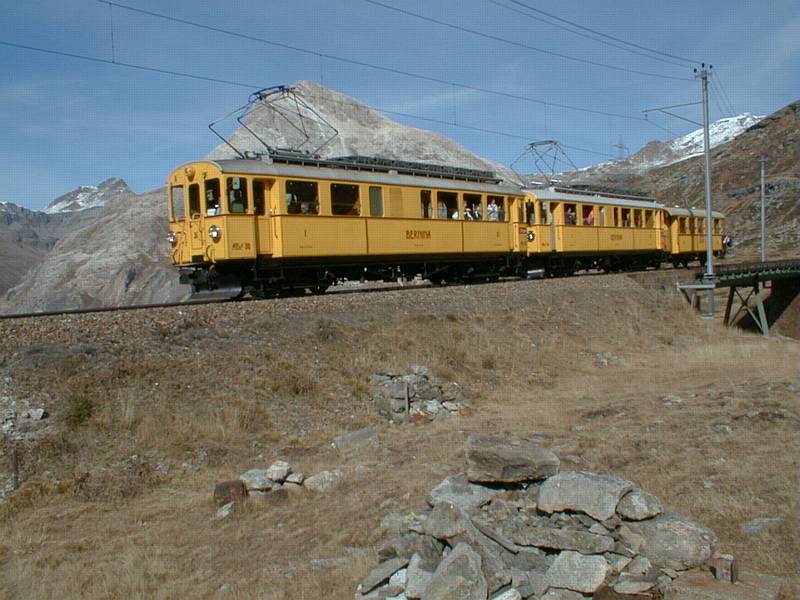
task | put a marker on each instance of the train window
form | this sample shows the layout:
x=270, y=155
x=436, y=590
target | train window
x=683, y=225
x=344, y=199
x=496, y=208
x=236, y=190
x=176, y=201
x=472, y=207
x=543, y=220
x=530, y=213
x=626, y=217
x=602, y=216
x=587, y=214
x=648, y=219
x=637, y=218
x=194, y=200
x=448, y=204
x=260, y=196
x=302, y=198
x=426, y=210
x=212, y=197
x=375, y=201
x=570, y=217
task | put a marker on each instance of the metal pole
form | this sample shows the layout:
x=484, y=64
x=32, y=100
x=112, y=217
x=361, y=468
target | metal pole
x=709, y=274
x=763, y=161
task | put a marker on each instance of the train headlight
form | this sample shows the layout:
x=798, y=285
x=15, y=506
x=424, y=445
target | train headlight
x=172, y=238
x=531, y=235
x=214, y=233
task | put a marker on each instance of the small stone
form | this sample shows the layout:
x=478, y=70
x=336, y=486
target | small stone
x=674, y=541
x=324, y=481
x=224, y=588
x=357, y=440
x=279, y=471
x=724, y=567
x=226, y=510
x=595, y=495
x=295, y=478
x=638, y=566
x=36, y=414
x=381, y=574
x=417, y=578
x=257, y=480
x=508, y=459
x=462, y=493
x=637, y=505
x=459, y=575
x=562, y=594
x=627, y=585
x=509, y=594
x=574, y=571
x=229, y=491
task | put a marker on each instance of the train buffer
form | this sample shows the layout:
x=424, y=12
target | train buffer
x=760, y=290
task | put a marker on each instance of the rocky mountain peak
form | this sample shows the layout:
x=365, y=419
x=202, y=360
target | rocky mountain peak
x=88, y=196
x=361, y=131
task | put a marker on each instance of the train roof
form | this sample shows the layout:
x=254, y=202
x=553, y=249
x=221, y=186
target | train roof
x=562, y=194
x=674, y=211
x=437, y=177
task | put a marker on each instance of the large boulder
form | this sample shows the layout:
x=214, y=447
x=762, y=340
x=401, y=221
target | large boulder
x=458, y=577
x=595, y=495
x=675, y=542
x=508, y=459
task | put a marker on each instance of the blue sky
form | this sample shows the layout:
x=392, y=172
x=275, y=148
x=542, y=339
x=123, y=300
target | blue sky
x=67, y=122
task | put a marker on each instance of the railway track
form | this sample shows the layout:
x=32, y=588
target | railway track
x=200, y=302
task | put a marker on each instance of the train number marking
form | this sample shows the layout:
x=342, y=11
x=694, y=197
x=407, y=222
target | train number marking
x=418, y=234
x=240, y=246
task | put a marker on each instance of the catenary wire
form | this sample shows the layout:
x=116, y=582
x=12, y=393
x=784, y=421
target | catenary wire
x=605, y=35
x=259, y=86
x=373, y=66
x=520, y=44
x=588, y=36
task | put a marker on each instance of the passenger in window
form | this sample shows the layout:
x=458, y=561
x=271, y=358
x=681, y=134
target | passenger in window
x=468, y=214
x=493, y=210
x=570, y=216
x=442, y=208
x=454, y=216
x=212, y=203
x=476, y=211
x=589, y=220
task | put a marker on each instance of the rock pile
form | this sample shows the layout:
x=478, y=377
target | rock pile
x=276, y=481
x=515, y=527
x=416, y=396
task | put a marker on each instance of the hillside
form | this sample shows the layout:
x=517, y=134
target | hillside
x=26, y=237
x=118, y=257
x=736, y=181
x=149, y=410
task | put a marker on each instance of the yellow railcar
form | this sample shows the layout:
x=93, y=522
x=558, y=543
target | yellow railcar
x=573, y=229
x=295, y=221
x=685, y=235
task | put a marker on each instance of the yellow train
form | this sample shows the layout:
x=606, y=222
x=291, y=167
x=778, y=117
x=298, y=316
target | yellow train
x=293, y=221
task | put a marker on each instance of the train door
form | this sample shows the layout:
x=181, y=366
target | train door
x=196, y=241
x=552, y=207
x=263, y=209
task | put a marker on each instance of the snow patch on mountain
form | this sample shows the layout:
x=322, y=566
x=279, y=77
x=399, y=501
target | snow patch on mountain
x=88, y=196
x=719, y=132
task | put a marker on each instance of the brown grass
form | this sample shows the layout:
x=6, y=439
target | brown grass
x=120, y=507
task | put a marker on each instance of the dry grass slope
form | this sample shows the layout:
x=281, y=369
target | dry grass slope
x=119, y=504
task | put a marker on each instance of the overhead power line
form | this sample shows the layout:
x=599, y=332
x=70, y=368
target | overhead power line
x=501, y=40
x=605, y=35
x=586, y=35
x=359, y=63
x=260, y=86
